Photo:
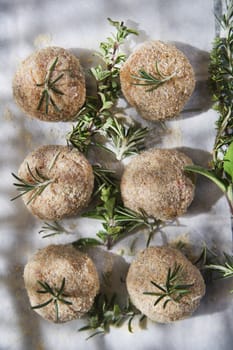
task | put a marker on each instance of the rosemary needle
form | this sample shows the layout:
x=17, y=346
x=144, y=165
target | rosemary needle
x=173, y=289
x=150, y=80
x=49, y=86
x=37, y=185
x=55, y=295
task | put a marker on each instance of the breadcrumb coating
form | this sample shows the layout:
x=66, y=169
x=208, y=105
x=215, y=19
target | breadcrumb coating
x=156, y=182
x=152, y=264
x=71, y=186
x=32, y=71
x=51, y=265
x=166, y=101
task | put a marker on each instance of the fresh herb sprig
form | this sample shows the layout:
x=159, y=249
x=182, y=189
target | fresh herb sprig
x=150, y=80
x=103, y=178
x=221, y=79
x=36, y=186
x=97, y=116
x=49, y=86
x=126, y=140
x=224, y=269
x=52, y=229
x=56, y=296
x=118, y=221
x=106, y=312
x=173, y=289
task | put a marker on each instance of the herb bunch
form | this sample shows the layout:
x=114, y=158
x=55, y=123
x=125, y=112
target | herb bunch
x=221, y=80
x=97, y=116
x=173, y=289
x=107, y=312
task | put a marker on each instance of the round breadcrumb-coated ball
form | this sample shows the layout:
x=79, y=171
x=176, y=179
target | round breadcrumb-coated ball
x=155, y=182
x=148, y=274
x=50, y=85
x=157, y=79
x=62, y=181
x=61, y=283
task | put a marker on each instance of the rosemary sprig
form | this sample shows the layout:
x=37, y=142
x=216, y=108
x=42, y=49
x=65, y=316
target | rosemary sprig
x=150, y=80
x=49, y=85
x=224, y=269
x=106, y=312
x=173, y=289
x=118, y=221
x=37, y=185
x=95, y=117
x=126, y=140
x=52, y=229
x=221, y=79
x=56, y=296
x=103, y=178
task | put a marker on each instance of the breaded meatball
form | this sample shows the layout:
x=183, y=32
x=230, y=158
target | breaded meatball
x=150, y=268
x=155, y=182
x=65, y=275
x=165, y=63
x=67, y=177
x=50, y=85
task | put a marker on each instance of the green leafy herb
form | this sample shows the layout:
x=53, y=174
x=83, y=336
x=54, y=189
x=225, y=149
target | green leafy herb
x=36, y=186
x=173, y=289
x=56, y=296
x=127, y=140
x=86, y=242
x=106, y=312
x=150, y=80
x=96, y=116
x=103, y=178
x=224, y=269
x=52, y=229
x=221, y=79
x=118, y=221
x=49, y=88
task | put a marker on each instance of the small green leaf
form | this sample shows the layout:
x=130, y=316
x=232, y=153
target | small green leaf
x=228, y=161
x=86, y=242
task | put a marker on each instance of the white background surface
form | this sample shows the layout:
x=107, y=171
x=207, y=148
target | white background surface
x=26, y=25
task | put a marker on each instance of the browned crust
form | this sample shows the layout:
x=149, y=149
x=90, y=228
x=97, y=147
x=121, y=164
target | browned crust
x=33, y=70
x=152, y=264
x=72, y=181
x=51, y=265
x=156, y=182
x=168, y=99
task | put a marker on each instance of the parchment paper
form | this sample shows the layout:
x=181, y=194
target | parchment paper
x=81, y=25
